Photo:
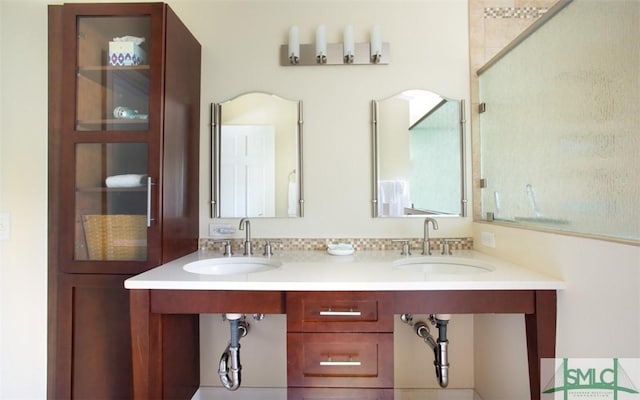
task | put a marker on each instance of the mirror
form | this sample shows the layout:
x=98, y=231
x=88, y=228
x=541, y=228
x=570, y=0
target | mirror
x=256, y=146
x=418, y=155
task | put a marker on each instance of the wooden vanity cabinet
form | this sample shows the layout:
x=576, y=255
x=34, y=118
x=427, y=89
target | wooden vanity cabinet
x=123, y=179
x=339, y=345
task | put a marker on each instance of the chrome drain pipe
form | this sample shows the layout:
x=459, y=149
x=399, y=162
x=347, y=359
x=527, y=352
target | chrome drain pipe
x=442, y=360
x=439, y=346
x=229, y=367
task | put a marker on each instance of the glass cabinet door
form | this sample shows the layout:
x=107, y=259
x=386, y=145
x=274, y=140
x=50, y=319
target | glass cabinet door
x=112, y=88
x=112, y=201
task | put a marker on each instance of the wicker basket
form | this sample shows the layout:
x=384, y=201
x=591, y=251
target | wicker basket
x=116, y=237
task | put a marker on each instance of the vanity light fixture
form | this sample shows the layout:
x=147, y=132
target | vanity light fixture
x=293, y=53
x=321, y=45
x=348, y=45
x=374, y=52
x=376, y=44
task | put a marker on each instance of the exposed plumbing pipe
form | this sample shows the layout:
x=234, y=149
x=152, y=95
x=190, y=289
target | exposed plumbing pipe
x=229, y=367
x=439, y=346
x=442, y=359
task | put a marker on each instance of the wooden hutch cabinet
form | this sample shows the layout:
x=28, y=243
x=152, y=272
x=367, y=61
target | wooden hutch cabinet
x=124, y=114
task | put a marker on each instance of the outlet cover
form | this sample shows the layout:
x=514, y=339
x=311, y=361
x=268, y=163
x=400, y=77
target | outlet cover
x=488, y=239
x=5, y=226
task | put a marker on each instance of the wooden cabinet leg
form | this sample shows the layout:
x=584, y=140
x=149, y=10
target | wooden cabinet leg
x=165, y=351
x=146, y=341
x=541, y=336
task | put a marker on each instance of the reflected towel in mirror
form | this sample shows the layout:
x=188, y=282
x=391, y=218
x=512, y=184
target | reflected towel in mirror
x=393, y=197
x=292, y=199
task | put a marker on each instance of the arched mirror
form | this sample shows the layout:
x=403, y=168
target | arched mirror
x=256, y=146
x=418, y=155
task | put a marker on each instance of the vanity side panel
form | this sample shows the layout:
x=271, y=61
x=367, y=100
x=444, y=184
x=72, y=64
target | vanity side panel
x=146, y=342
x=165, y=351
x=180, y=355
x=541, y=336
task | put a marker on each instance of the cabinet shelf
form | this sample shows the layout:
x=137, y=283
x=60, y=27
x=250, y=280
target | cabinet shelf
x=97, y=72
x=112, y=124
x=133, y=79
x=107, y=190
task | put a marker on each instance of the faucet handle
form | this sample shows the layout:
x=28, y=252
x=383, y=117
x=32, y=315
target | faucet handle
x=446, y=246
x=406, y=247
x=268, y=250
x=228, y=250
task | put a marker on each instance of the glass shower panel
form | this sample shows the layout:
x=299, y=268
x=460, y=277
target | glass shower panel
x=559, y=141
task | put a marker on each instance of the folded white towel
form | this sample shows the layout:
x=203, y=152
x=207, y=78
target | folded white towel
x=125, y=181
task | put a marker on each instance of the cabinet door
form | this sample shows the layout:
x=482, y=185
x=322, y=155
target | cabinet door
x=112, y=53
x=339, y=312
x=112, y=201
x=108, y=221
x=340, y=360
x=111, y=138
x=94, y=340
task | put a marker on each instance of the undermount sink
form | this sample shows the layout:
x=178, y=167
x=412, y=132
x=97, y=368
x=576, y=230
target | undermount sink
x=443, y=265
x=231, y=265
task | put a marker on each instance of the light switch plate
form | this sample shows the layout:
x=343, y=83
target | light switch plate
x=5, y=226
x=488, y=239
x=221, y=230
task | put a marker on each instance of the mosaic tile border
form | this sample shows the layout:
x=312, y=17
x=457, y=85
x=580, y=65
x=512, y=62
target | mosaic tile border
x=320, y=244
x=514, y=12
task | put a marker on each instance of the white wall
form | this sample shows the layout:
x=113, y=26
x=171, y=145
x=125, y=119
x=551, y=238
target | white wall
x=598, y=313
x=336, y=99
x=23, y=193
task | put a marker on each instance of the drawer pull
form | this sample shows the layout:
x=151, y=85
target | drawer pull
x=330, y=363
x=349, y=313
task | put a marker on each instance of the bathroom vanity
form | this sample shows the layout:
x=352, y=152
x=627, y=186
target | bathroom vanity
x=342, y=305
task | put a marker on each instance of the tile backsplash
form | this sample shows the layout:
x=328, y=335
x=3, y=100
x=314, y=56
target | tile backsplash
x=320, y=244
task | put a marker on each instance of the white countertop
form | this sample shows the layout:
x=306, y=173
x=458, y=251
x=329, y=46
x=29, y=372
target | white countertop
x=364, y=270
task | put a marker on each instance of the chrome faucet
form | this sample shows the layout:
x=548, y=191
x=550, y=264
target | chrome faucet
x=426, y=244
x=245, y=225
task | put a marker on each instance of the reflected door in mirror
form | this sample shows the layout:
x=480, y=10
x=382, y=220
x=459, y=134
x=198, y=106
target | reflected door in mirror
x=247, y=178
x=256, y=157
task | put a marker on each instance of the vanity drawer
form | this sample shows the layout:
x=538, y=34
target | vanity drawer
x=340, y=360
x=339, y=394
x=339, y=312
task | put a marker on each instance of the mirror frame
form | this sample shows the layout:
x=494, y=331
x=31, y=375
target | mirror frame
x=216, y=156
x=376, y=167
